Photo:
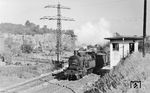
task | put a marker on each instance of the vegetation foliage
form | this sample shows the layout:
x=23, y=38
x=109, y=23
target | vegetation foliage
x=26, y=48
x=133, y=68
x=147, y=46
x=28, y=28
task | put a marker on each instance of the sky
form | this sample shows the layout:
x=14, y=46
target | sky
x=122, y=16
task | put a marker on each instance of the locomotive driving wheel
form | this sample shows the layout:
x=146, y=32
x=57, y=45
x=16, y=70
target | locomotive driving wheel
x=72, y=77
x=89, y=71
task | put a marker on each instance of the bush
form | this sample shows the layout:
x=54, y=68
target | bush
x=26, y=48
x=147, y=46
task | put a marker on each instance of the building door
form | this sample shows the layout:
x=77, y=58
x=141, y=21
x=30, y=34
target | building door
x=131, y=47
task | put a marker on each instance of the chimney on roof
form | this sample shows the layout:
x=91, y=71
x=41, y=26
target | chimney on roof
x=116, y=34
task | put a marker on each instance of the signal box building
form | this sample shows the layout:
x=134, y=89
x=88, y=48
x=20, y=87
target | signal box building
x=121, y=46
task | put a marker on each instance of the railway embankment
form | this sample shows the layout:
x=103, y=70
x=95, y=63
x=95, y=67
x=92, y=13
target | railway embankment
x=11, y=75
x=125, y=77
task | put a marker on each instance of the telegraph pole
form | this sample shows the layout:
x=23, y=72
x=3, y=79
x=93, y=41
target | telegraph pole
x=59, y=18
x=144, y=26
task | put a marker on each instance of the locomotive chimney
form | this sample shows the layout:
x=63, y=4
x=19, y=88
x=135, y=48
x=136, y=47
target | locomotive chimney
x=75, y=52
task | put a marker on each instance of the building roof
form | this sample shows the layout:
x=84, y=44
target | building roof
x=125, y=38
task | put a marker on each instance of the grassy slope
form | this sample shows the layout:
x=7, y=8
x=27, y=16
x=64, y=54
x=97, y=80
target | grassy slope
x=118, y=79
x=10, y=75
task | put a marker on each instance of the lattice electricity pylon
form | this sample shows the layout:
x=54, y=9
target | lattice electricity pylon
x=59, y=18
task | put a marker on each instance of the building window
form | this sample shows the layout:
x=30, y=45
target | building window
x=115, y=46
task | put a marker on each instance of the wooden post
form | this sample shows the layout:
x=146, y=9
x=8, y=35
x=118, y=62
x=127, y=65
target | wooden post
x=123, y=48
x=144, y=26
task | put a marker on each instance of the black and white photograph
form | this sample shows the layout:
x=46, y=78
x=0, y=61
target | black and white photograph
x=74, y=46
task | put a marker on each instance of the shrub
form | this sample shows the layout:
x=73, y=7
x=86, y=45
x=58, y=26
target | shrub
x=26, y=48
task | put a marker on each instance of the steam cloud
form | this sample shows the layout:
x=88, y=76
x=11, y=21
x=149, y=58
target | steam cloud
x=91, y=34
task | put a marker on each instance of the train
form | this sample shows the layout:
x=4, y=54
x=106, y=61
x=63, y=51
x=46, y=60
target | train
x=81, y=64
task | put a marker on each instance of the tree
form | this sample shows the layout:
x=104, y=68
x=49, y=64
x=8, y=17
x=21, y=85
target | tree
x=27, y=23
x=26, y=48
x=44, y=29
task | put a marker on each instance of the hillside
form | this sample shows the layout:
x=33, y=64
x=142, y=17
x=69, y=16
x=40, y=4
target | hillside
x=133, y=68
x=34, y=35
x=28, y=28
x=21, y=29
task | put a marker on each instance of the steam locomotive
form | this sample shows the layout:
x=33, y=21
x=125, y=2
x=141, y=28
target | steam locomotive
x=81, y=64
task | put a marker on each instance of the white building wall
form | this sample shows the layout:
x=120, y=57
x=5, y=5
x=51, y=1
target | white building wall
x=136, y=46
x=123, y=49
x=116, y=56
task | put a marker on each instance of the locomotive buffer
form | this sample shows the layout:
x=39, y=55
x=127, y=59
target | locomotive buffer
x=59, y=18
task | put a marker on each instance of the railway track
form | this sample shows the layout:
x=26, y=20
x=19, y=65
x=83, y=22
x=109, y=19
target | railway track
x=61, y=87
x=36, y=82
x=28, y=84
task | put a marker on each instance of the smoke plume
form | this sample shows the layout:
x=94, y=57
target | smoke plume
x=93, y=33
